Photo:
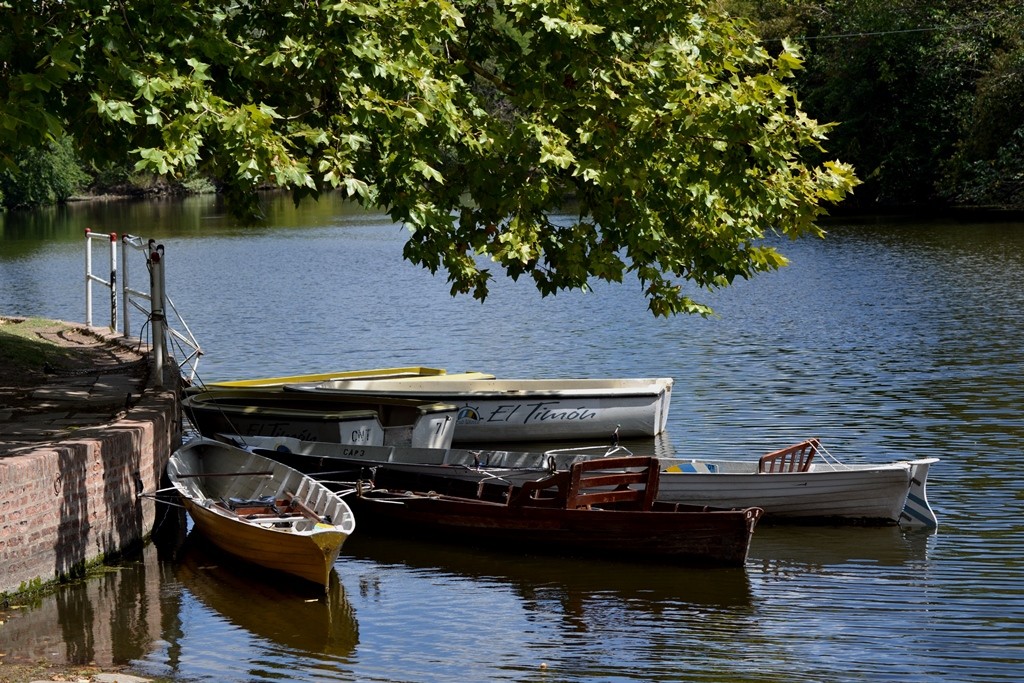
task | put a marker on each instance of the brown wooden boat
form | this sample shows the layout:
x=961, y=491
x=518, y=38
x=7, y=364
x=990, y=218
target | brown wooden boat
x=601, y=507
x=260, y=510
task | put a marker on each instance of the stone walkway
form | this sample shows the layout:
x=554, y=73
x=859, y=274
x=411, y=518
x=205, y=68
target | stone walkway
x=96, y=678
x=95, y=378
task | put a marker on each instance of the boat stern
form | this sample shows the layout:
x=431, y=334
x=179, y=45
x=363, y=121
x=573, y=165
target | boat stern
x=917, y=512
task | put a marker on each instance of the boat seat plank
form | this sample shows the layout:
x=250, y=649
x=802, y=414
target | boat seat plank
x=594, y=482
x=539, y=493
x=240, y=473
x=247, y=510
x=796, y=458
x=260, y=519
x=256, y=512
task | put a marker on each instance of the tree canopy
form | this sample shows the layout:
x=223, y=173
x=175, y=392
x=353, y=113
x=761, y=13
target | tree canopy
x=674, y=135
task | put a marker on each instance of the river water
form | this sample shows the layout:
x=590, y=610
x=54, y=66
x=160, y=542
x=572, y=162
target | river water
x=889, y=339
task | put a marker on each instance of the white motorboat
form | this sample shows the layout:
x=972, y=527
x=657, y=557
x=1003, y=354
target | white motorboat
x=510, y=410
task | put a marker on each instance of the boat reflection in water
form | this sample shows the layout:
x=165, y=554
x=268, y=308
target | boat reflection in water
x=267, y=604
x=806, y=547
x=584, y=590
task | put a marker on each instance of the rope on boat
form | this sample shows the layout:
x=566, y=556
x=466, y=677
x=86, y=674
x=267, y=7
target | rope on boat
x=487, y=475
x=155, y=496
x=829, y=459
x=352, y=487
x=555, y=456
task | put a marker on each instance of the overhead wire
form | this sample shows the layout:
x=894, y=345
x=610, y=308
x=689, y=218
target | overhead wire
x=870, y=34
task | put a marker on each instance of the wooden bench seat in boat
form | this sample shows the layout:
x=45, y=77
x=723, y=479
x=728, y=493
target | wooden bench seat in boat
x=268, y=509
x=590, y=483
x=796, y=458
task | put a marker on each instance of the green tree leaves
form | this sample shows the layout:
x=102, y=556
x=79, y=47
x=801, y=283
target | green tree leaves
x=671, y=130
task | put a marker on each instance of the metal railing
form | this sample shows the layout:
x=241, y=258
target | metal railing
x=155, y=311
x=90, y=278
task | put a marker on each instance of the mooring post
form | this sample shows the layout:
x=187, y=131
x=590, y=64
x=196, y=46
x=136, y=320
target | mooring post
x=125, y=304
x=157, y=316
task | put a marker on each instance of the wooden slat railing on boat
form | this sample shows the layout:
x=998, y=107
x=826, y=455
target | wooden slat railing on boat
x=796, y=458
x=601, y=481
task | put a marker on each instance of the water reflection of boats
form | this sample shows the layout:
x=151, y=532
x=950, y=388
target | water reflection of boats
x=819, y=546
x=650, y=588
x=285, y=613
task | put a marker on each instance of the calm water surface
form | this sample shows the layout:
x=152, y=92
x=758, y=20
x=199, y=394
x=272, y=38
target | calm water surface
x=886, y=340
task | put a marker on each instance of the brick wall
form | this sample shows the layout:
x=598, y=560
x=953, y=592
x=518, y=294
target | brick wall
x=63, y=506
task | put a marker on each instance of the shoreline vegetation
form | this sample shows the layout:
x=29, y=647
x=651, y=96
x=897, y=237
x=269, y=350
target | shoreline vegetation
x=141, y=187
x=983, y=212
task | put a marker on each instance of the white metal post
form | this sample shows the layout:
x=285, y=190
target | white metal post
x=125, y=304
x=113, y=282
x=88, y=278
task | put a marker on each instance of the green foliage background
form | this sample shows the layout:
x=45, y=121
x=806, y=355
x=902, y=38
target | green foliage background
x=929, y=94
x=684, y=131
x=46, y=175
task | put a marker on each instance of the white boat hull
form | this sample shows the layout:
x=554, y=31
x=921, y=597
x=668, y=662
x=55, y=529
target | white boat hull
x=273, y=412
x=867, y=492
x=510, y=410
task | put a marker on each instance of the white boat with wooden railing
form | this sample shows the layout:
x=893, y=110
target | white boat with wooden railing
x=805, y=481
x=510, y=410
x=802, y=482
x=799, y=483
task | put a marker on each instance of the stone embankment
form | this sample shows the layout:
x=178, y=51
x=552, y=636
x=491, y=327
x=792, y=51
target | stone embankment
x=79, y=441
